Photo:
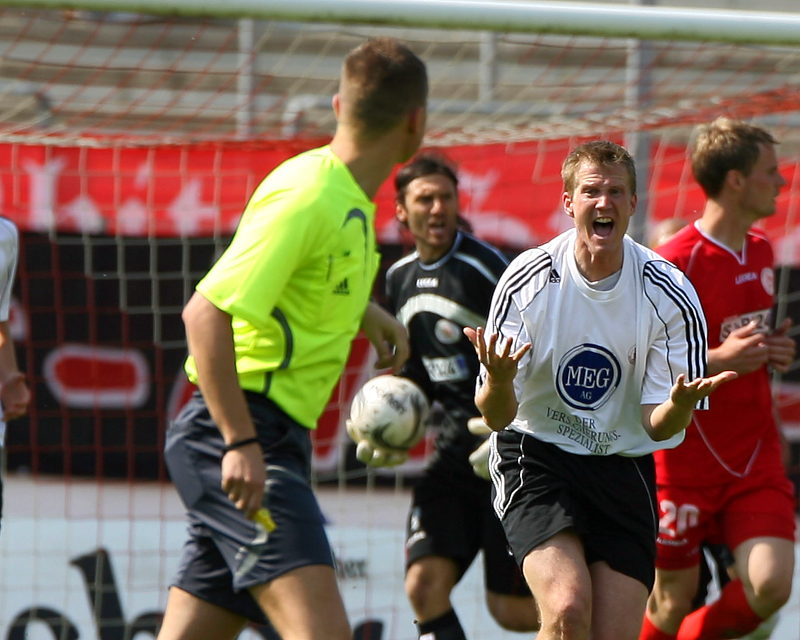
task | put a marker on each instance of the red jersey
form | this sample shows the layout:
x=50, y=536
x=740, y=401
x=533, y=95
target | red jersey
x=725, y=442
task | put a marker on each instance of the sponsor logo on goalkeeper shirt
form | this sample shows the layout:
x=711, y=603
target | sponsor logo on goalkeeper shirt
x=447, y=331
x=446, y=369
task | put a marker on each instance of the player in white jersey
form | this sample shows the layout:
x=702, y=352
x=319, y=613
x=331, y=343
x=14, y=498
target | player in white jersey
x=14, y=392
x=539, y=299
x=593, y=357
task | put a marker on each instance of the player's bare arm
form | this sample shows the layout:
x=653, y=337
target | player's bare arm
x=387, y=335
x=15, y=396
x=210, y=340
x=14, y=393
x=744, y=350
x=496, y=399
x=781, y=347
x=662, y=421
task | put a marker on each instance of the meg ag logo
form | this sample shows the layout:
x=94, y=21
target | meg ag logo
x=587, y=376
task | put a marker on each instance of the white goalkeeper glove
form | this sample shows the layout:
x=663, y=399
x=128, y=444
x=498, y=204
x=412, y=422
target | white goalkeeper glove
x=479, y=459
x=478, y=427
x=371, y=454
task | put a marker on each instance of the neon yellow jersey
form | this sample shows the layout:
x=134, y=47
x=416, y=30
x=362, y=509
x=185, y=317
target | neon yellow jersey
x=296, y=279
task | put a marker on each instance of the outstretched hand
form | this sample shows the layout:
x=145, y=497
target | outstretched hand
x=664, y=420
x=688, y=394
x=496, y=399
x=501, y=365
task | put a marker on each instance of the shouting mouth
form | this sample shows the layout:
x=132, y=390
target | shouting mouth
x=603, y=227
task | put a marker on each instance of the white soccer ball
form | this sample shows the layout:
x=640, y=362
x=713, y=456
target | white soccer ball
x=389, y=412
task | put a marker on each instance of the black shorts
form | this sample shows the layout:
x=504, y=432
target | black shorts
x=457, y=523
x=609, y=501
x=226, y=553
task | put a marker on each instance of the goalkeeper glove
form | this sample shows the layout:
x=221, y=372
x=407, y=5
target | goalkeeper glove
x=371, y=454
x=477, y=426
x=479, y=459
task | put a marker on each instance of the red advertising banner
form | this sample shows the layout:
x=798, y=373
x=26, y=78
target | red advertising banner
x=511, y=193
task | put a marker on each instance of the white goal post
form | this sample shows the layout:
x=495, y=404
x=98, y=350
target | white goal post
x=598, y=19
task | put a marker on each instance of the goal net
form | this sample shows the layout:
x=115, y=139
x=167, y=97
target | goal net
x=129, y=143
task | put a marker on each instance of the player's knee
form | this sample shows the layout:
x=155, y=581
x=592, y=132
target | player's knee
x=669, y=605
x=770, y=594
x=572, y=619
x=513, y=613
x=426, y=588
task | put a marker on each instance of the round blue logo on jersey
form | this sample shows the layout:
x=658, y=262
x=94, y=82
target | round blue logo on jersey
x=587, y=376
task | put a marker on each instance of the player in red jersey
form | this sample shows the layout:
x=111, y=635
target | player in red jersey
x=726, y=482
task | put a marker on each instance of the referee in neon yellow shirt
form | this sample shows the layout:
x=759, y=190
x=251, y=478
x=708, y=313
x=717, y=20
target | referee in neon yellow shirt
x=269, y=330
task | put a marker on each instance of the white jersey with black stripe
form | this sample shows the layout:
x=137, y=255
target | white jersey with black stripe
x=9, y=249
x=597, y=355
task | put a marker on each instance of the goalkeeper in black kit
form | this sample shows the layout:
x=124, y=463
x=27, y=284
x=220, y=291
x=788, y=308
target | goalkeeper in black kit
x=444, y=286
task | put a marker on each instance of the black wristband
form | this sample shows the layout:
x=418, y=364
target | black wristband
x=239, y=443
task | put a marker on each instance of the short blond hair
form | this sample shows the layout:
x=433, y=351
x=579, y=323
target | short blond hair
x=725, y=145
x=600, y=153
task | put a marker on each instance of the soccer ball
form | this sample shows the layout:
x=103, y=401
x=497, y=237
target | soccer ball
x=389, y=412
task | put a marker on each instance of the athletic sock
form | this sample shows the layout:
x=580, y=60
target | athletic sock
x=445, y=627
x=728, y=617
x=651, y=632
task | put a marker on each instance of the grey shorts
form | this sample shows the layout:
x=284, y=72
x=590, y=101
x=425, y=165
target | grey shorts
x=608, y=501
x=226, y=553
